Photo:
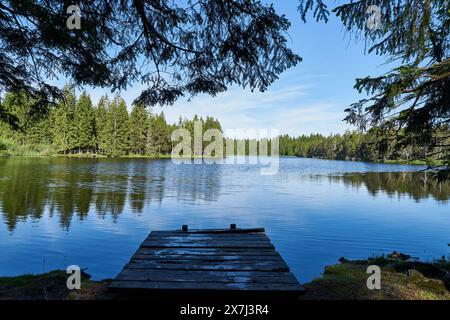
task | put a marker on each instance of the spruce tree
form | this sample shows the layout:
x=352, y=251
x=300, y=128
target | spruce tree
x=64, y=138
x=159, y=135
x=117, y=127
x=410, y=103
x=16, y=104
x=139, y=125
x=217, y=43
x=101, y=121
x=84, y=124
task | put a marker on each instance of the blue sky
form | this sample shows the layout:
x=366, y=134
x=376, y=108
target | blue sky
x=309, y=98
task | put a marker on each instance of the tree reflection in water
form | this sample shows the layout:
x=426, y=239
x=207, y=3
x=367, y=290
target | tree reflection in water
x=417, y=185
x=66, y=187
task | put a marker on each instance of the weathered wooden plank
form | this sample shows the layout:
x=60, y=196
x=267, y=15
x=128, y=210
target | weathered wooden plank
x=205, y=240
x=251, y=230
x=273, y=257
x=206, y=276
x=199, y=285
x=207, y=251
x=203, y=234
x=209, y=237
x=221, y=259
x=209, y=265
x=206, y=244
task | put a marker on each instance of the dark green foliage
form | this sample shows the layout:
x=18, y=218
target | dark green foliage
x=158, y=135
x=175, y=47
x=202, y=126
x=139, y=124
x=370, y=146
x=101, y=117
x=117, y=127
x=84, y=124
x=18, y=105
x=417, y=185
x=411, y=103
x=75, y=126
x=320, y=9
x=64, y=114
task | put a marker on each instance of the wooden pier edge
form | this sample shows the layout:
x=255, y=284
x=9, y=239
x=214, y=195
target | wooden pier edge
x=207, y=260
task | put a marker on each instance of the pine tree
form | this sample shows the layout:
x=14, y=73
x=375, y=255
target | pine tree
x=139, y=124
x=84, y=124
x=63, y=134
x=219, y=44
x=16, y=104
x=117, y=127
x=32, y=130
x=74, y=125
x=101, y=120
x=39, y=132
x=159, y=136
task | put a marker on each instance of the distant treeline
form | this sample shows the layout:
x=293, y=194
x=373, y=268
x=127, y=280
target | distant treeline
x=372, y=146
x=76, y=126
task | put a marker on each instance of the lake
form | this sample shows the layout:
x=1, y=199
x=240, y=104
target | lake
x=94, y=213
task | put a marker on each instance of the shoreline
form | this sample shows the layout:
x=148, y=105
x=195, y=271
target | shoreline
x=99, y=156
x=402, y=278
x=168, y=156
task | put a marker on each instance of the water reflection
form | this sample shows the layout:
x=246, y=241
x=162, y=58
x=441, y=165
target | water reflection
x=95, y=212
x=416, y=185
x=64, y=187
x=68, y=187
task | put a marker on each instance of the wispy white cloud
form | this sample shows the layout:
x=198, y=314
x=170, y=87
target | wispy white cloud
x=294, y=109
x=288, y=109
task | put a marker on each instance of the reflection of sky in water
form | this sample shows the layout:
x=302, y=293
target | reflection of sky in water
x=95, y=213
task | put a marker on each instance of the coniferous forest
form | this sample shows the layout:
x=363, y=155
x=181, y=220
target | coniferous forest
x=75, y=126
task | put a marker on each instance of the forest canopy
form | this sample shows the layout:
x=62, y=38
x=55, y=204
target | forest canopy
x=77, y=126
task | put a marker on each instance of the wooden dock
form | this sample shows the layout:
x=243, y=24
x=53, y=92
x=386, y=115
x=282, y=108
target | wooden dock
x=233, y=259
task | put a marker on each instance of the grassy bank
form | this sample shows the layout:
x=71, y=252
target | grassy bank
x=428, y=162
x=51, y=286
x=46, y=151
x=10, y=149
x=401, y=279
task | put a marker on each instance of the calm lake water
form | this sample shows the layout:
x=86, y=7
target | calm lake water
x=95, y=212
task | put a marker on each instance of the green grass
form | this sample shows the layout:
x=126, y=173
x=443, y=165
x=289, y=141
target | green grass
x=50, y=286
x=428, y=162
x=347, y=281
x=25, y=279
x=10, y=148
x=80, y=155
